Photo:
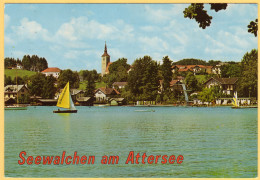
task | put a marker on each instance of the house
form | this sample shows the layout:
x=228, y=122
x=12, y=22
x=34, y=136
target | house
x=76, y=93
x=120, y=85
x=228, y=85
x=11, y=91
x=175, y=84
x=216, y=69
x=84, y=101
x=55, y=72
x=117, y=101
x=104, y=93
x=192, y=68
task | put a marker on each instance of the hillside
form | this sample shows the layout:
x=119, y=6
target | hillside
x=18, y=72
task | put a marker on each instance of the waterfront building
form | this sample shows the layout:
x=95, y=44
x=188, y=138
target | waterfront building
x=228, y=85
x=12, y=91
x=104, y=93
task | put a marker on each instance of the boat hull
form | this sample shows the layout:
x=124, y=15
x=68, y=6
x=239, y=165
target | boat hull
x=66, y=111
x=16, y=108
x=243, y=107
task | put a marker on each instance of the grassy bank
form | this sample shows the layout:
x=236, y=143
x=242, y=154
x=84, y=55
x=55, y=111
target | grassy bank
x=82, y=85
x=18, y=72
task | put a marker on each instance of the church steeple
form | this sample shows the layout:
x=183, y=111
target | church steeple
x=105, y=50
x=105, y=60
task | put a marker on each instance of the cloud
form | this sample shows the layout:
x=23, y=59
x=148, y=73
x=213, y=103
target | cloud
x=150, y=28
x=8, y=40
x=162, y=15
x=6, y=20
x=242, y=10
x=82, y=28
x=31, y=30
x=153, y=44
x=71, y=54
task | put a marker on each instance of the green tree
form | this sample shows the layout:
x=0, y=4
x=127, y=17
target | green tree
x=191, y=82
x=68, y=76
x=49, y=89
x=90, y=86
x=230, y=70
x=36, y=85
x=143, y=80
x=18, y=80
x=210, y=94
x=10, y=62
x=27, y=63
x=8, y=80
x=166, y=70
x=247, y=85
x=117, y=72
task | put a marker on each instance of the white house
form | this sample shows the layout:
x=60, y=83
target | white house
x=55, y=72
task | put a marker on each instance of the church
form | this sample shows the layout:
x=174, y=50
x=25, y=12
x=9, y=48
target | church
x=105, y=62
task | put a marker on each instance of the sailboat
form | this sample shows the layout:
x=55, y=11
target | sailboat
x=65, y=101
x=234, y=101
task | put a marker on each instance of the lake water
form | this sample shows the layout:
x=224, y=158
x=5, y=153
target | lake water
x=214, y=141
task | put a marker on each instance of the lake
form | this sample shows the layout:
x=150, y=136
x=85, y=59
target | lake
x=214, y=141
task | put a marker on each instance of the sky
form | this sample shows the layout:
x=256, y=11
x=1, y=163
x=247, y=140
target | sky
x=72, y=36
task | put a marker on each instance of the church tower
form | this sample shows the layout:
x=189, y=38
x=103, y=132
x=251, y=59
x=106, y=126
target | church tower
x=105, y=59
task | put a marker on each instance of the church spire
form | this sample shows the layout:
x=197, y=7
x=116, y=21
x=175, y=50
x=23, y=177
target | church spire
x=105, y=50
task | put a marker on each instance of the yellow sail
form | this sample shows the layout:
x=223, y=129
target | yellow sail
x=235, y=102
x=64, y=98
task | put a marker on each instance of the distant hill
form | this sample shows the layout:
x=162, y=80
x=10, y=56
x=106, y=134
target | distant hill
x=18, y=72
x=190, y=62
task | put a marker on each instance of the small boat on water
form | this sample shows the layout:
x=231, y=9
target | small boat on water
x=16, y=107
x=236, y=103
x=144, y=110
x=65, y=101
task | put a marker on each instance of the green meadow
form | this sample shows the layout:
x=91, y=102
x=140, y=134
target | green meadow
x=18, y=72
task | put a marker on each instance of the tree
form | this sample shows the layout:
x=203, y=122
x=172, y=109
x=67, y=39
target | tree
x=166, y=70
x=210, y=94
x=10, y=62
x=190, y=61
x=117, y=72
x=49, y=89
x=68, y=76
x=196, y=11
x=230, y=70
x=36, y=85
x=34, y=63
x=191, y=82
x=26, y=61
x=8, y=80
x=253, y=27
x=247, y=86
x=143, y=80
x=90, y=86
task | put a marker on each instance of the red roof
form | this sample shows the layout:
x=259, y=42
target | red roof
x=107, y=70
x=107, y=91
x=52, y=69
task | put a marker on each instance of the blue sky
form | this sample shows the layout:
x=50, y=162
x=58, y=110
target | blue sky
x=72, y=36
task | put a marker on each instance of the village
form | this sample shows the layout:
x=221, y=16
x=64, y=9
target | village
x=114, y=95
